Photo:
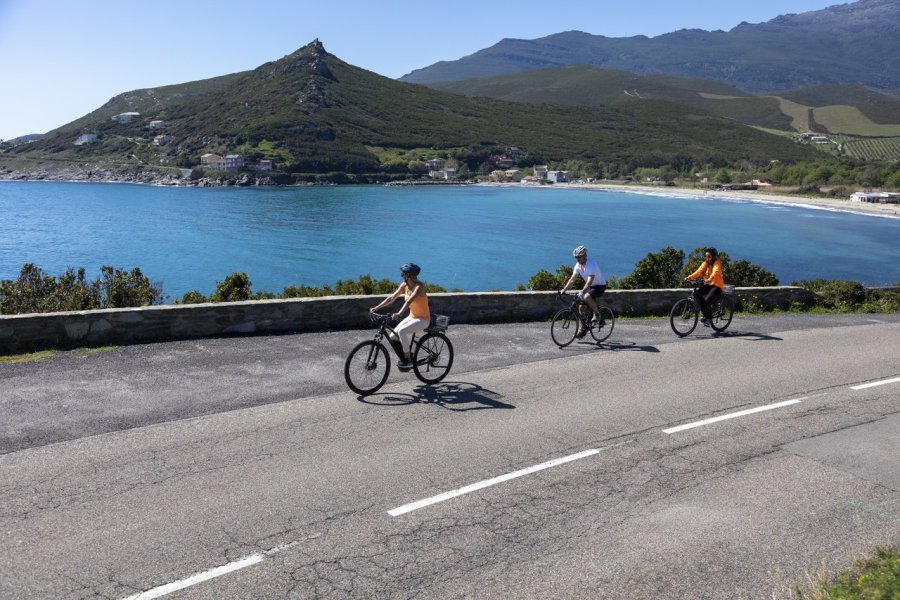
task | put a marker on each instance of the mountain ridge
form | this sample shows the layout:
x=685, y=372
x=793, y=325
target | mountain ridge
x=748, y=56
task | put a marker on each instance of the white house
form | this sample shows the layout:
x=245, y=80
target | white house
x=540, y=171
x=265, y=165
x=435, y=164
x=162, y=140
x=877, y=197
x=157, y=124
x=126, y=117
x=85, y=138
x=558, y=176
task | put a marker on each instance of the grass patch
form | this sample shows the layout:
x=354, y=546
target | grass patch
x=877, y=578
x=90, y=351
x=26, y=357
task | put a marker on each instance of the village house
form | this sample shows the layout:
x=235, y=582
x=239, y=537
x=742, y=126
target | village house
x=540, y=172
x=85, y=138
x=126, y=117
x=162, y=140
x=157, y=125
x=234, y=162
x=265, y=165
x=212, y=161
x=558, y=176
x=434, y=164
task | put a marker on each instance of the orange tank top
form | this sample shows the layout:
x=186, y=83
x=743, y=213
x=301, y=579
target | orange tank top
x=418, y=308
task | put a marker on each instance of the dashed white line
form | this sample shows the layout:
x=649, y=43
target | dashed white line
x=487, y=483
x=198, y=578
x=875, y=383
x=742, y=413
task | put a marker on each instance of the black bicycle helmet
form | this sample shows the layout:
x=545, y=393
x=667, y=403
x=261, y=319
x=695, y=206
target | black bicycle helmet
x=579, y=251
x=411, y=268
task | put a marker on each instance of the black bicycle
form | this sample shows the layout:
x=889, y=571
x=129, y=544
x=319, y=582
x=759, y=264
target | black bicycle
x=686, y=312
x=368, y=365
x=568, y=321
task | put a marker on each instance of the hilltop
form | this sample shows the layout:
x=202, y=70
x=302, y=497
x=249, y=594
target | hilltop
x=315, y=115
x=847, y=43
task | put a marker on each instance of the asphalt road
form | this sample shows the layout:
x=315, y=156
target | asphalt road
x=532, y=472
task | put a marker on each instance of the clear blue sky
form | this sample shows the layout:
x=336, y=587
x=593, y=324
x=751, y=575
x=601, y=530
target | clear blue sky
x=64, y=58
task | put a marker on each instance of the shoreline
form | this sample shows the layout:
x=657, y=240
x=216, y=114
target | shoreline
x=890, y=211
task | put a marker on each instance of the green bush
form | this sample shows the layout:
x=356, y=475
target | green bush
x=34, y=291
x=546, y=281
x=657, y=270
x=193, y=297
x=836, y=293
x=235, y=288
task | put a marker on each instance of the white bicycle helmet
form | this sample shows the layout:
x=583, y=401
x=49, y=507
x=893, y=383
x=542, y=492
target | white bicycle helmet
x=579, y=251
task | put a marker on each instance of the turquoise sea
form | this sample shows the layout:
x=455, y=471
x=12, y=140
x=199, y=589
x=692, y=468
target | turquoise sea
x=468, y=237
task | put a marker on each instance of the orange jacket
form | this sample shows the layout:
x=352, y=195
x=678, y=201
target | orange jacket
x=713, y=272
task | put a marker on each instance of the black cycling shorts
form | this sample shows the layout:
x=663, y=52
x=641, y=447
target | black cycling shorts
x=596, y=290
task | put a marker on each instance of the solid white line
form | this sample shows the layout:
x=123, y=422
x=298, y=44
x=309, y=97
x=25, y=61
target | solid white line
x=742, y=413
x=198, y=578
x=487, y=483
x=874, y=383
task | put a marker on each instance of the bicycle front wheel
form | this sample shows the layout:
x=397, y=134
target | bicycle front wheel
x=603, y=329
x=683, y=317
x=564, y=327
x=367, y=368
x=722, y=312
x=433, y=358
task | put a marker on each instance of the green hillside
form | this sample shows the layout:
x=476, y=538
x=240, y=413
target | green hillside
x=312, y=114
x=848, y=110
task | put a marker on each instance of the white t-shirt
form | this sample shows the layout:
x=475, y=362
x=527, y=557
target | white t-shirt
x=590, y=268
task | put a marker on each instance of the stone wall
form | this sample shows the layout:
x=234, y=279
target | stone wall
x=158, y=323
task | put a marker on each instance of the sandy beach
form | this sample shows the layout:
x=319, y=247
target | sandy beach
x=773, y=197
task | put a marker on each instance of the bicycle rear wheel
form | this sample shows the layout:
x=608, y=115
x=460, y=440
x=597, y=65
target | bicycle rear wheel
x=683, y=317
x=367, y=368
x=433, y=358
x=564, y=327
x=722, y=312
x=602, y=330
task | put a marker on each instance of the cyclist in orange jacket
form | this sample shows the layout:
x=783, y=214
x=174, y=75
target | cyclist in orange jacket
x=713, y=282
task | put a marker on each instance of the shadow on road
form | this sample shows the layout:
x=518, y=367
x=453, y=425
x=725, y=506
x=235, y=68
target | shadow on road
x=452, y=395
x=589, y=346
x=748, y=335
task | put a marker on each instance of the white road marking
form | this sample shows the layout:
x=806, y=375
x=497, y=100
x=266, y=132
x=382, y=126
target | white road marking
x=196, y=578
x=487, y=483
x=742, y=413
x=874, y=383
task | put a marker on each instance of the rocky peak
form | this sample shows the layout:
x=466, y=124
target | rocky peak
x=310, y=58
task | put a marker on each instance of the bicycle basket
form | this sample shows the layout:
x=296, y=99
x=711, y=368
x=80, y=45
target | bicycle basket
x=729, y=290
x=440, y=322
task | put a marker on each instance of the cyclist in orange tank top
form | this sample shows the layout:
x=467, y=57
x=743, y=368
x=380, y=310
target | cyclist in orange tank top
x=416, y=300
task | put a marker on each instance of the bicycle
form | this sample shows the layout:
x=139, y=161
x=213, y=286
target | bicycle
x=368, y=364
x=685, y=312
x=566, y=321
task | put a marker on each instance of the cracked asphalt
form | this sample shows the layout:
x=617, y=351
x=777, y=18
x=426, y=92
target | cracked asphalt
x=134, y=467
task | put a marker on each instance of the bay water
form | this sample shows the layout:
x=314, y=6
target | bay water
x=474, y=238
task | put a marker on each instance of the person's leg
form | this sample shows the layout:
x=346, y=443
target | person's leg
x=405, y=331
x=702, y=299
x=711, y=297
x=592, y=299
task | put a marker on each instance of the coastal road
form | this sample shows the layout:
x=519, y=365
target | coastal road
x=650, y=467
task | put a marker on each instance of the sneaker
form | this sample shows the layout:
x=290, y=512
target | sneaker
x=404, y=365
x=706, y=323
x=581, y=334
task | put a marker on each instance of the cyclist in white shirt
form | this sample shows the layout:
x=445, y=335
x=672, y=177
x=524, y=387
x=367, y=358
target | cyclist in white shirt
x=594, y=282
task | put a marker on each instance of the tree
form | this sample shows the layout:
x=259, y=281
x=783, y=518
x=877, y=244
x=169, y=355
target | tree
x=659, y=270
x=235, y=288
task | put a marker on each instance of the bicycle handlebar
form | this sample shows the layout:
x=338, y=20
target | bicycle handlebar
x=380, y=316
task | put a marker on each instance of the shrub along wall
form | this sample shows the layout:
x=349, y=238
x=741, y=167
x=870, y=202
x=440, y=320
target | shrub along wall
x=171, y=322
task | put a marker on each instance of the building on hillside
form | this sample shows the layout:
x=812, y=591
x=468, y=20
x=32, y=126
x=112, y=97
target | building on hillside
x=85, y=138
x=234, y=162
x=540, y=171
x=447, y=173
x=126, y=117
x=514, y=175
x=265, y=165
x=434, y=164
x=212, y=161
x=501, y=160
x=162, y=140
x=157, y=125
